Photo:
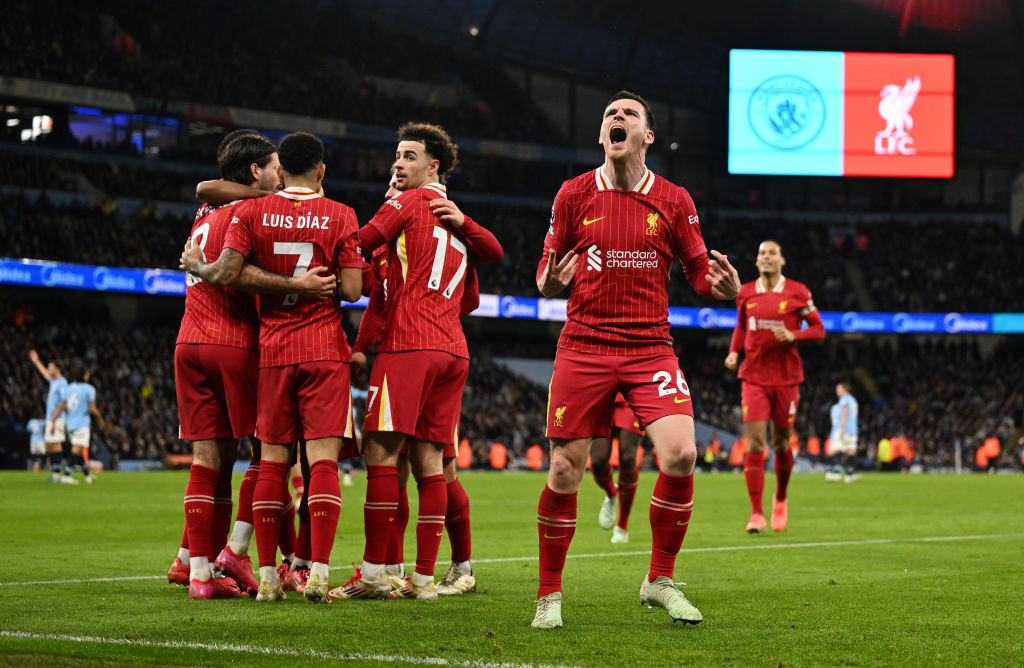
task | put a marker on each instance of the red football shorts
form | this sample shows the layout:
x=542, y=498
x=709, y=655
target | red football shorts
x=216, y=388
x=309, y=400
x=418, y=393
x=775, y=402
x=623, y=418
x=583, y=387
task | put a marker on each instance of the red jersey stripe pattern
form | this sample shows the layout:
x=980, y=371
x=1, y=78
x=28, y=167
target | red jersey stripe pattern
x=626, y=240
x=425, y=275
x=287, y=233
x=223, y=317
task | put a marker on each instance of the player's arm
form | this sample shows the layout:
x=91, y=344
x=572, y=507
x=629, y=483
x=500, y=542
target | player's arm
x=350, y=284
x=470, y=293
x=350, y=278
x=34, y=356
x=371, y=325
x=61, y=407
x=842, y=419
x=814, y=331
x=484, y=246
x=712, y=278
x=554, y=274
x=739, y=335
x=96, y=412
x=221, y=191
x=315, y=283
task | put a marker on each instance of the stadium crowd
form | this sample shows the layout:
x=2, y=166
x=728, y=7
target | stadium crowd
x=157, y=50
x=947, y=391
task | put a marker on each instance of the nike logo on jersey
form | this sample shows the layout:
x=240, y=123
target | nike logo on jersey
x=679, y=401
x=592, y=220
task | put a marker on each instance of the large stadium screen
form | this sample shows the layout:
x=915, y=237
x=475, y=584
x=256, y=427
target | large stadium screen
x=833, y=113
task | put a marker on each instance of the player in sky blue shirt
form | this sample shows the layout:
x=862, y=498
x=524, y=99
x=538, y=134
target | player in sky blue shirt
x=844, y=432
x=78, y=402
x=36, y=447
x=55, y=434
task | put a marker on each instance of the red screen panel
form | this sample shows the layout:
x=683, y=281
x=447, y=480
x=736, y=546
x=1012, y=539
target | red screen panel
x=898, y=115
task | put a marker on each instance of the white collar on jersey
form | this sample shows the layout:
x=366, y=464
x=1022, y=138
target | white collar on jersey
x=643, y=186
x=298, y=193
x=778, y=286
x=441, y=189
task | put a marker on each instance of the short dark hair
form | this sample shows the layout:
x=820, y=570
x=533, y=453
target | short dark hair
x=241, y=153
x=77, y=372
x=230, y=137
x=300, y=153
x=629, y=95
x=772, y=241
x=846, y=386
x=436, y=142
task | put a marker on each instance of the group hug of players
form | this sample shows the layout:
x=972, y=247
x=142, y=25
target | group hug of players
x=277, y=364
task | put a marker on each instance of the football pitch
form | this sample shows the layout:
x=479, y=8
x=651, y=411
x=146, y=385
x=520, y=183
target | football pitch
x=891, y=570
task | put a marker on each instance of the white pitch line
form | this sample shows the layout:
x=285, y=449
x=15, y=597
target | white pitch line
x=260, y=651
x=601, y=555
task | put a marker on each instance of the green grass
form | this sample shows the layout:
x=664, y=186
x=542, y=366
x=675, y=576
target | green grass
x=851, y=582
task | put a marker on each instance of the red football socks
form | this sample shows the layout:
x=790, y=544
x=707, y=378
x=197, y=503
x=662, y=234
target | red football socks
x=245, y=491
x=456, y=520
x=396, y=537
x=430, y=522
x=603, y=478
x=671, y=506
x=286, y=535
x=221, y=524
x=266, y=510
x=379, y=511
x=303, y=547
x=753, y=471
x=627, y=492
x=199, y=509
x=556, y=524
x=783, y=468
x=324, y=508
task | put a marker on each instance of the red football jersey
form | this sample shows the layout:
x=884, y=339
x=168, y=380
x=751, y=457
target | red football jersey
x=287, y=233
x=219, y=316
x=425, y=275
x=766, y=360
x=626, y=240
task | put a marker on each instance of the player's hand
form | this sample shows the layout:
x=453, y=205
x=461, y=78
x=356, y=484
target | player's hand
x=190, y=256
x=34, y=356
x=731, y=360
x=557, y=276
x=49, y=427
x=783, y=334
x=357, y=368
x=724, y=280
x=446, y=210
x=314, y=285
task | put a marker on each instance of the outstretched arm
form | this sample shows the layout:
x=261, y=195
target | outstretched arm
x=220, y=191
x=34, y=356
x=225, y=270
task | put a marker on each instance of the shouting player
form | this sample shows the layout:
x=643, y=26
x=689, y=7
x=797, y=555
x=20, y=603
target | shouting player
x=617, y=229
x=303, y=357
x=768, y=319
